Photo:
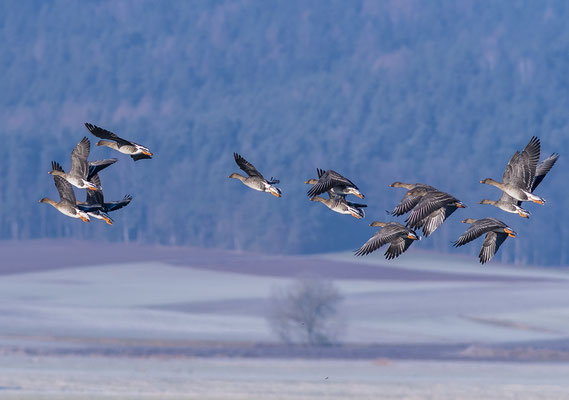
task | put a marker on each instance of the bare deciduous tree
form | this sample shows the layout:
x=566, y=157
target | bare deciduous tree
x=304, y=311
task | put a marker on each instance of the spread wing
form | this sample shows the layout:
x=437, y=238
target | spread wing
x=477, y=229
x=105, y=134
x=521, y=168
x=65, y=190
x=141, y=156
x=435, y=219
x=410, y=200
x=398, y=247
x=356, y=205
x=327, y=180
x=543, y=168
x=92, y=208
x=55, y=166
x=79, y=155
x=99, y=165
x=429, y=203
x=246, y=166
x=116, y=205
x=385, y=235
x=491, y=244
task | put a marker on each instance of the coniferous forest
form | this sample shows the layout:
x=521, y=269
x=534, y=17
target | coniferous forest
x=435, y=92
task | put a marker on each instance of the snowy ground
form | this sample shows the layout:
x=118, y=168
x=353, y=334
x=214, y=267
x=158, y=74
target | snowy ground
x=424, y=326
x=266, y=379
x=158, y=301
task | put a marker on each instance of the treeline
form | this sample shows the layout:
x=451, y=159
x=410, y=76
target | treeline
x=379, y=91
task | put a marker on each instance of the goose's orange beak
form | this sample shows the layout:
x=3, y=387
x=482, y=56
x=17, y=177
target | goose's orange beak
x=92, y=188
x=108, y=220
x=539, y=202
x=147, y=153
x=84, y=219
x=356, y=215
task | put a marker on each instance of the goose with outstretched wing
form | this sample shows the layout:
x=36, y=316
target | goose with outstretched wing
x=398, y=236
x=520, y=174
x=496, y=232
x=331, y=180
x=254, y=178
x=135, y=150
x=508, y=203
x=338, y=203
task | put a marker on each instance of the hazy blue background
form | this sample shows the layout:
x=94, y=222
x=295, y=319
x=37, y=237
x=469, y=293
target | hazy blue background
x=434, y=92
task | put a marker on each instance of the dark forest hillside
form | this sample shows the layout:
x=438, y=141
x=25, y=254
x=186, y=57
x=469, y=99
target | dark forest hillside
x=434, y=92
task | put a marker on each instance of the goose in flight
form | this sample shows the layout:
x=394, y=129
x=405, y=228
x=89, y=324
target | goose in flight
x=95, y=204
x=338, y=203
x=508, y=203
x=77, y=175
x=520, y=174
x=67, y=203
x=433, y=208
x=331, y=180
x=254, y=179
x=496, y=232
x=400, y=238
x=415, y=191
x=135, y=150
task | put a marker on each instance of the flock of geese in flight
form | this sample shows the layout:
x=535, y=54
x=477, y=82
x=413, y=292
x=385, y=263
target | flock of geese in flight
x=84, y=174
x=427, y=206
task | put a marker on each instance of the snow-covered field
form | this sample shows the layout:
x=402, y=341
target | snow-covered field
x=268, y=379
x=127, y=330
x=154, y=300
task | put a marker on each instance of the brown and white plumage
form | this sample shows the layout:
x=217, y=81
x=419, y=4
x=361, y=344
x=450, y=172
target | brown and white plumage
x=338, y=203
x=520, y=174
x=331, y=180
x=67, y=202
x=496, y=232
x=135, y=150
x=254, y=178
x=398, y=236
x=508, y=203
x=77, y=175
